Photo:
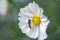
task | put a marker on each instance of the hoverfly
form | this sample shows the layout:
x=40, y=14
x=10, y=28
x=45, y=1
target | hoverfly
x=29, y=23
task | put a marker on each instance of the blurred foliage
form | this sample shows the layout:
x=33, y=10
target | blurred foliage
x=9, y=29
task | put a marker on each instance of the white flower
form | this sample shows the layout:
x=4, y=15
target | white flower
x=3, y=7
x=32, y=22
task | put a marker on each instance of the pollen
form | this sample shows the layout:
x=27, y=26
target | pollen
x=36, y=19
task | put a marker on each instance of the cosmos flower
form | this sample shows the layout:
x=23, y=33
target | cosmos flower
x=3, y=7
x=32, y=22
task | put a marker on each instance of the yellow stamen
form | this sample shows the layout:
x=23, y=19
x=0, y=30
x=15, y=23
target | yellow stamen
x=36, y=19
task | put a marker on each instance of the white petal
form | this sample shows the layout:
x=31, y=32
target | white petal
x=22, y=25
x=25, y=29
x=29, y=10
x=43, y=28
x=40, y=11
x=26, y=11
x=23, y=16
x=42, y=33
x=34, y=7
x=44, y=18
x=42, y=36
x=45, y=23
x=33, y=33
x=23, y=20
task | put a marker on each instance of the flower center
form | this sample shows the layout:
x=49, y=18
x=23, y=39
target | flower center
x=36, y=19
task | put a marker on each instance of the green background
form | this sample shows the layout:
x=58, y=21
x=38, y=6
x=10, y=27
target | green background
x=9, y=29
